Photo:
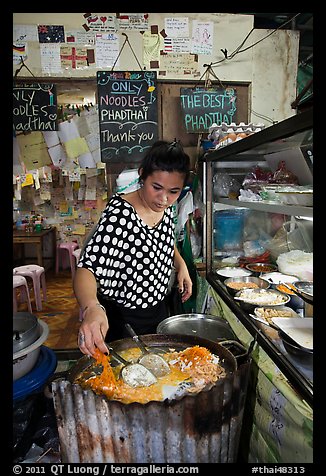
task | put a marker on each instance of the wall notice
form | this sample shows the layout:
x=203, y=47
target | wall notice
x=203, y=107
x=35, y=107
x=127, y=114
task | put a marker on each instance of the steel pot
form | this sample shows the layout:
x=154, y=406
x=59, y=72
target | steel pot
x=26, y=330
x=304, y=355
x=207, y=326
x=25, y=359
x=304, y=289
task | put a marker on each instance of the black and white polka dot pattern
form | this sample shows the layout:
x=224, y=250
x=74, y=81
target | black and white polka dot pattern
x=131, y=261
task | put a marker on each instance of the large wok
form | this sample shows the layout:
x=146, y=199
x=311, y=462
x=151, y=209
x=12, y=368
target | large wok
x=158, y=342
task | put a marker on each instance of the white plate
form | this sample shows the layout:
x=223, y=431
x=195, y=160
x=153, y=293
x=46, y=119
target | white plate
x=300, y=329
x=293, y=314
x=277, y=278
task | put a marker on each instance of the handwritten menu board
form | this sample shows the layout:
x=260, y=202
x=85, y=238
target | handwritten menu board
x=203, y=107
x=35, y=107
x=127, y=114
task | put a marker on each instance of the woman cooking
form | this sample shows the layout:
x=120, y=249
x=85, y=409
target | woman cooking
x=124, y=271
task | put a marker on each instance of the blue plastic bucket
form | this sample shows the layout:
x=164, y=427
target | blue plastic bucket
x=228, y=230
x=34, y=380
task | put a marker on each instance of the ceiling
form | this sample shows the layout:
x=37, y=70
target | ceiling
x=290, y=21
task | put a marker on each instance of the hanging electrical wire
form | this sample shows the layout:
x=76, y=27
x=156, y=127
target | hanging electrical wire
x=238, y=50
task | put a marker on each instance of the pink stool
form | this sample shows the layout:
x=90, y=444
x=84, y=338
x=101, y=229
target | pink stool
x=69, y=247
x=76, y=254
x=37, y=274
x=19, y=282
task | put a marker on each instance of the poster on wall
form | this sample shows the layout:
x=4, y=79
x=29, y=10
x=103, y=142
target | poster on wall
x=127, y=103
x=203, y=107
x=35, y=107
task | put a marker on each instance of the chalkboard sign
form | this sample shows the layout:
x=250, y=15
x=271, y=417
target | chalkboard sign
x=127, y=114
x=35, y=107
x=203, y=107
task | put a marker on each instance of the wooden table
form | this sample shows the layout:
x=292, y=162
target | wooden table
x=36, y=238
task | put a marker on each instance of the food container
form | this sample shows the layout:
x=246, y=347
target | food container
x=249, y=299
x=200, y=428
x=206, y=326
x=299, y=195
x=258, y=268
x=25, y=359
x=232, y=272
x=234, y=285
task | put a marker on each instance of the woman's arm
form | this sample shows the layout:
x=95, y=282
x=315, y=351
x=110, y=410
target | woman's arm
x=183, y=277
x=95, y=322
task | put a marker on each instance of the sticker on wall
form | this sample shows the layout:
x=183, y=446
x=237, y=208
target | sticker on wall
x=133, y=21
x=151, y=50
x=19, y=52
x=97, y=22
x=74, y=57
x=202, y=37
x=51, y=34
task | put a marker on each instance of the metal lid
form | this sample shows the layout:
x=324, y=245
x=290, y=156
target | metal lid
x=207, y=326
x=25, y=330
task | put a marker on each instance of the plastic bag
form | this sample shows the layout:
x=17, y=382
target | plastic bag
x=257, y=178
x=283, y=175
x=34, y=422
x=225, y=186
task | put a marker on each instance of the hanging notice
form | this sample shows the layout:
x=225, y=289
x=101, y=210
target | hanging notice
x=127, y=114
x=35, y=107
x=203, y=107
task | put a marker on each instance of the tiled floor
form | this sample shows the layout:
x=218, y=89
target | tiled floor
x=60, y=311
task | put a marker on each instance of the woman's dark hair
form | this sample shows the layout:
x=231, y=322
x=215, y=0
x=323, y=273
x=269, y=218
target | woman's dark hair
x=165, y=156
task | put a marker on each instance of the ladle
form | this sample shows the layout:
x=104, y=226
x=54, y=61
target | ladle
x=155, y=363
x=134, y=375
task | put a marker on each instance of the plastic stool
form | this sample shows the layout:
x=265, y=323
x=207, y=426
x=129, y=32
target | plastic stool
x=76, y=254
x=69, y=247
x=19, y=282
x=37, y=274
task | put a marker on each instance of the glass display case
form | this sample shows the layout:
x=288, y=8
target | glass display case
x=250, y=217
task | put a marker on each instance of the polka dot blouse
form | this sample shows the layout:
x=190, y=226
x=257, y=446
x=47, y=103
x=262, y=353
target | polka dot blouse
x=131, y=261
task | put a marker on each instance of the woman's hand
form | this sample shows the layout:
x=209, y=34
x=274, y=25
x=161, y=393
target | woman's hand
x=183, y=277
x=184, y=283
x=93, y=330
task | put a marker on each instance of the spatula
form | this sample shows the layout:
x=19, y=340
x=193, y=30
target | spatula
x=134, y=375
x=155, y=363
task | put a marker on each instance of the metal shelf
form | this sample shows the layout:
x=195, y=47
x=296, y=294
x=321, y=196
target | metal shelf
x=271, y=139
x=264, y=206
x=285, y=139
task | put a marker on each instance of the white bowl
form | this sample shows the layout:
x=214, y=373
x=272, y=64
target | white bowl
x=249, y=299
x=25, y=359
x=233, y=272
